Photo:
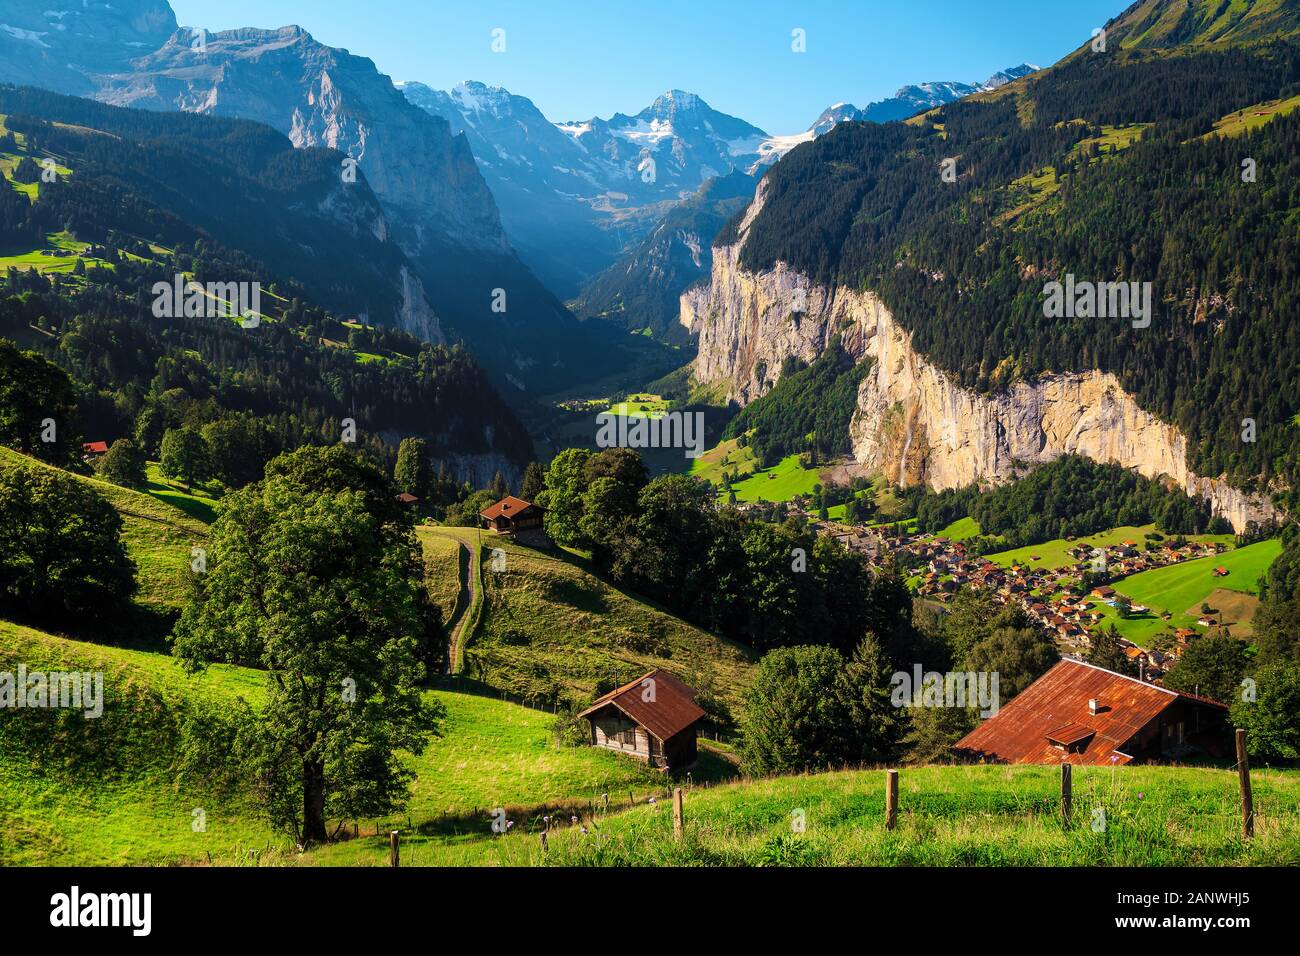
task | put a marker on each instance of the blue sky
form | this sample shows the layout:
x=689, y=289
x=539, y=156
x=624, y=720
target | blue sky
x=581, y=58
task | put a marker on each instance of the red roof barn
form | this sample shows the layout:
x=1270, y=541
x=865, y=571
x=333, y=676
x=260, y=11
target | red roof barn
x=1082, y=714
x=652, y=717
x=513, y=514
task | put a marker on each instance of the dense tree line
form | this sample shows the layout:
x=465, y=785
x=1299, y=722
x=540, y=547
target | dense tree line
x=809, y=409
x=137, y=375
x=62, y=560
x=814, y=707
x=1071, y=496
x=763, y=584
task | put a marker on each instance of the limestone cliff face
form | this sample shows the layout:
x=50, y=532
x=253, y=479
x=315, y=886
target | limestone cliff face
x=913, y=422
x=749, y=324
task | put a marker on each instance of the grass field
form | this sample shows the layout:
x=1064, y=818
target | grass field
x=551, y=628
x=117, y=803
x=1054, y=553
x=57, y=810
x=641, y=406
x=442, y=559
x=68, y=254
x=1181, y=588
x=961, y=530
x=198, y=502
x=781, y=482
x=722, y=458
x=948, y=816
x=1253, y=117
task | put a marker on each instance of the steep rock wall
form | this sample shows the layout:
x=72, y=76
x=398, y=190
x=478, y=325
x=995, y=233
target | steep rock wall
x=913, y=422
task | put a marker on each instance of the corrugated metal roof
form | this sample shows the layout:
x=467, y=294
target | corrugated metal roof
x=1058, y=702
x=671, y=710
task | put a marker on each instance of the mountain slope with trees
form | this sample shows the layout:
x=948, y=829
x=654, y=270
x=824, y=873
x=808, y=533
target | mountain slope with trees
x=1098, y=168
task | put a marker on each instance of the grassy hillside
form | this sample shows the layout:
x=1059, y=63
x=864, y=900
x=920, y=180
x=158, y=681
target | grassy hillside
x=107, y=795
x=158, y=534
x=948, y=816
x=102, y=791
x=551, y=629
x=781, y=482
x=1165, y=24
x=442, y=558
x=1182, y=588
x=1053, y=554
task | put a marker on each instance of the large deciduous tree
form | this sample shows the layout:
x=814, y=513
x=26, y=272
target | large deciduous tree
x=1271, y=718
x=791, y=719
x=185, y=456
x=413, y=472
x=1212, y=666
x=315, y=575
x=124, y=464
x=562, y=496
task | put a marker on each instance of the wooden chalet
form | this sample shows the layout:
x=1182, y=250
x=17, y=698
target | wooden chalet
x=512, y=514
x=652, y=718
x=1079, y=713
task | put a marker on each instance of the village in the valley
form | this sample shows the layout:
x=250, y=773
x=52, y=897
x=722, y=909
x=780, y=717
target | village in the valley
x=1065, y=602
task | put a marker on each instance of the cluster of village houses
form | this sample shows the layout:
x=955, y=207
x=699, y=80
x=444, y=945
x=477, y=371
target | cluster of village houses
x=1055, y=599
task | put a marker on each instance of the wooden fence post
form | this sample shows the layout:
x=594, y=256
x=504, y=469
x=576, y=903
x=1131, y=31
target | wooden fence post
x=1243, y=776
x=679, y=815
x=544, y=845
x=1067, y=793
x=891, y=799
x=392, y=848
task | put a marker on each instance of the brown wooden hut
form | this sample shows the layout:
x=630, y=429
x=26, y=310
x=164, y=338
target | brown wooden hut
x=652, y=718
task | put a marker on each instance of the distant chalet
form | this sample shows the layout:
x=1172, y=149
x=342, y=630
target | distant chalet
x=652, y=717
x=1078, y=713
x=512, y=514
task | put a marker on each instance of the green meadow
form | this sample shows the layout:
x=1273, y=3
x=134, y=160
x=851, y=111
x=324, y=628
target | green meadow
x=781, y=482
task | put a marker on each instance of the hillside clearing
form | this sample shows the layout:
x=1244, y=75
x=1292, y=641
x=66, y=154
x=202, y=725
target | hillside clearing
x=551, y=630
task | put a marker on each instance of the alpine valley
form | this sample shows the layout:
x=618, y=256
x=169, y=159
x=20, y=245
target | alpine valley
x=396, y=475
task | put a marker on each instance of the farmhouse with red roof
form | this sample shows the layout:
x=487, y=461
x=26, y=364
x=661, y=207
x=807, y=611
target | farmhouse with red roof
x=1079, y=713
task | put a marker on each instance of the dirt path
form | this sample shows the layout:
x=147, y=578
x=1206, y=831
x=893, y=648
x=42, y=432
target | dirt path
x=468, y=560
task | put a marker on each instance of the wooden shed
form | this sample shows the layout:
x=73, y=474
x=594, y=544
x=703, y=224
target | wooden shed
x=652, y=718
x=513, y=514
